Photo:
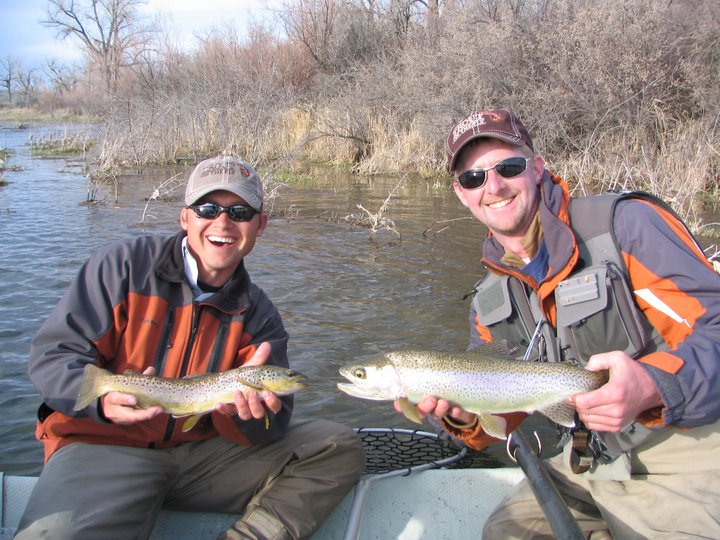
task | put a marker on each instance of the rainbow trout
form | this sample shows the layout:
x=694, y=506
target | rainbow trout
x=485, y=381
x=190, y=396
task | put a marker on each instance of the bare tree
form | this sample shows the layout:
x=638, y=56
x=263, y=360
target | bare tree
x=110, y=32
x=311, y=23
x=28, y=83
x=63, y=79
x=9, y=69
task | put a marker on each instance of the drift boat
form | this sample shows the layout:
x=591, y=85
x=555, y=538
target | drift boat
x=416, y=485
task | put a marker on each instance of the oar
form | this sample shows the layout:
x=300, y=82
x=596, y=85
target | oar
x=559, y=517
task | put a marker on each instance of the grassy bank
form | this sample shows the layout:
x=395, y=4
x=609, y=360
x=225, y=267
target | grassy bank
x=26, y=115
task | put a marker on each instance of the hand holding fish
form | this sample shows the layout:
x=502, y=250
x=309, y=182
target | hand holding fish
x=249, y=404
x=439, y=408
x=121, y=408
x=629, y=392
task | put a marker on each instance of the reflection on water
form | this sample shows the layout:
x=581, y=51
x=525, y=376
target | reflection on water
x=341, y=296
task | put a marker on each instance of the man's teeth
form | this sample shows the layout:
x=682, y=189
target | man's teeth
x=500, y=204
x=220, y=240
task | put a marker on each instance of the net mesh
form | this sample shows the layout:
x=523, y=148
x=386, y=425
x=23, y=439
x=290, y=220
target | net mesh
x=392, y=449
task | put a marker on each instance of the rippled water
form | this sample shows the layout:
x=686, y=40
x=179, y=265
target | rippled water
x=341, y=295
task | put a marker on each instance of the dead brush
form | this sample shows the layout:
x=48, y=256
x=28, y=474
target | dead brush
x=60, y=143
x=166, y=191
x=377, y=221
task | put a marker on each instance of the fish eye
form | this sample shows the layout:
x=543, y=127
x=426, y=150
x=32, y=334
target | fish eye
x=360, y=373
x=290, y=372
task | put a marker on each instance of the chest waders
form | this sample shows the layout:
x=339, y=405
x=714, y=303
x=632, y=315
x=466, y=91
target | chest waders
x=596, y=313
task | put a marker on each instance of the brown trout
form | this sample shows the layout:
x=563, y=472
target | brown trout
x=484, y=381
x=190, y=396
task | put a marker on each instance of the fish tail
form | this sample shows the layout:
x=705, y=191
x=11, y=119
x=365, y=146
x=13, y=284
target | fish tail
x=91, y=386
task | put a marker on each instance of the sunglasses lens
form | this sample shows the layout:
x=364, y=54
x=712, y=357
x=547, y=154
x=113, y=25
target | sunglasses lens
x=507, y=168
x=240, y=212
x=206, y=210
x=472, y=179
x=511, y=167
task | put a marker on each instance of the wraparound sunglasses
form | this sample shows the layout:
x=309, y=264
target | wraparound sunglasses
x=507, y=168
x=236, y=212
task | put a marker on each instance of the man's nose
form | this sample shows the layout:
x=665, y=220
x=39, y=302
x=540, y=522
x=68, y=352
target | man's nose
x=493, y=181
x=225, y=217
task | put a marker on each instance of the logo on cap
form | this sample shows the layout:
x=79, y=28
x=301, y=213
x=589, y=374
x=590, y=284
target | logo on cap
x=226, y=167
x=473, y=121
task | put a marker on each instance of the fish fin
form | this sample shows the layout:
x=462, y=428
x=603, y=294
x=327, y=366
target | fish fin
x=91, y=386
x=267, y=421
x=191, y=422
x=409, y=410
x=562, y=413
x=493, y=425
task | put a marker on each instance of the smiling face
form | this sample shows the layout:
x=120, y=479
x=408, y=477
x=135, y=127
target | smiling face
x=219, y=244
x=506, y=206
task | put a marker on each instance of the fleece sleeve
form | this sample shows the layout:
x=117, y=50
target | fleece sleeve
x=677, y=289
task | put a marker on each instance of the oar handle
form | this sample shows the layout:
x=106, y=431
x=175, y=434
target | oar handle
x=559, y=517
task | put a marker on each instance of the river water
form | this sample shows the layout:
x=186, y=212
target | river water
x=342, y=296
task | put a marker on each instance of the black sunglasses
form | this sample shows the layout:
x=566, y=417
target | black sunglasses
x=236, y=212
x=507, y=168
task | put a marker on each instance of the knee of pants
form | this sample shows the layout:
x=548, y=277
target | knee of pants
x=333, y=445
x=349, y=448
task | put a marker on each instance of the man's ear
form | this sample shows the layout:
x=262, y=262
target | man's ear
x=263, y=223
x=460, y=193
x=538, y=163
x=183, y=219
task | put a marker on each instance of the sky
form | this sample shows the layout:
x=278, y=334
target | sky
x=23, y=38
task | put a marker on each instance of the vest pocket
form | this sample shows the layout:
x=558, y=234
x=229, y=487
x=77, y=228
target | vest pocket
x=596, y=313
x=501, y=304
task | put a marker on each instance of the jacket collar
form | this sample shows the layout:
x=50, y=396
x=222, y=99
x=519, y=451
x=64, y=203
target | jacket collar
x=554, y=219
x=234, y=297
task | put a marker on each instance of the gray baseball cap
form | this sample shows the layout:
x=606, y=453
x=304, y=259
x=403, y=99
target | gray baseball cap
x=224, y=173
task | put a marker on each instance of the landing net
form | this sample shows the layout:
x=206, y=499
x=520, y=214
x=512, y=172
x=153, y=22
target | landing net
x=394, y=449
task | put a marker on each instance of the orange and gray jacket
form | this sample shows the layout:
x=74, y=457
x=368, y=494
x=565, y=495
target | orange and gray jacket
x=131, y=307
x=671, y=287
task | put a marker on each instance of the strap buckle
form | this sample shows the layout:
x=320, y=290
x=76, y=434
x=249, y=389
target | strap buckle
x=581, y=455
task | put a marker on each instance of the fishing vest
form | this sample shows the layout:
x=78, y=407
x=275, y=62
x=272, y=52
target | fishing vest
x=596, y=311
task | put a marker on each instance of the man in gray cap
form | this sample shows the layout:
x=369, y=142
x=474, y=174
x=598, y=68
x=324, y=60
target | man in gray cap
x=177, y=307
x=610, y=282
